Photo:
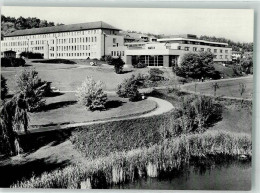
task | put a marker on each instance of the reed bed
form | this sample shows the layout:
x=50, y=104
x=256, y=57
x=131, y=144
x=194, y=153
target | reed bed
x=122, y=167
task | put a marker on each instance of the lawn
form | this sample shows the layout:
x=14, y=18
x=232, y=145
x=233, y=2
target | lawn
x=67, y=77
x=227, y=87
x=64, y=108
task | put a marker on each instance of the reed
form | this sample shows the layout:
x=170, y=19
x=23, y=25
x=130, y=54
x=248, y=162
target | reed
x=121, y=167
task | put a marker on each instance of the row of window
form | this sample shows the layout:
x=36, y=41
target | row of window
x=77, y=40
x=195, y=49
x=60, y=34
x=117, y=53
x=59, y=41
x=198, y=43
x=77, y=47
x=73, y=54
x=221, y=57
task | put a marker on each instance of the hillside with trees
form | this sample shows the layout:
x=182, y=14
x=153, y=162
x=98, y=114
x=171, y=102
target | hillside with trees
x=236, y=46
x=10, y=24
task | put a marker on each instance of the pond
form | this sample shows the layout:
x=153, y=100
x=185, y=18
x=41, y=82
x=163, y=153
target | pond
x=235, y=175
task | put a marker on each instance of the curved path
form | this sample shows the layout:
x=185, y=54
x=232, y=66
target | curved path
x=163, y=106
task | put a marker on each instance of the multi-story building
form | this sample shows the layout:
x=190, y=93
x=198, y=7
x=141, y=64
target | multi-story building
x=76, y=41
x=97, y=39
x=168, y=51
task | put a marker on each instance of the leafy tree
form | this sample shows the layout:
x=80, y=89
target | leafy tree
x=129, y=89
x=118, y=64
x=43, y=23
x=197, y=65
x=197, y=113
x=33, y=88
x=10, y=24
x=13, y=118
x=21, y=23
x=247, y=64
x=91, y=94
x=4, y=88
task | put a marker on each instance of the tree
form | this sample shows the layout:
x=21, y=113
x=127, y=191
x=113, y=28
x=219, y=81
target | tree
x=197, y=113
x=33, y=88
x=13, y=118
x=4, y=88
x=242, y=88
x=197, y=65
x=129, y=89
x=91, y=94
x=247, y=64
x=43, y=23
x=20, y=23
x=118, y=64
x=215, y=86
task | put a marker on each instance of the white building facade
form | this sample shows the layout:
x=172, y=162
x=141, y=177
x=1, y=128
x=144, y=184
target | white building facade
x=76, y=41
x=169, y=51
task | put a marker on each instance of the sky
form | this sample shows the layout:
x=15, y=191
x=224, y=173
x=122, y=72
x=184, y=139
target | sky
x=234, y=24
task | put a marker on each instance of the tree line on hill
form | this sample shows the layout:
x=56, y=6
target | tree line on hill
x=236, y=46
x=11, y=24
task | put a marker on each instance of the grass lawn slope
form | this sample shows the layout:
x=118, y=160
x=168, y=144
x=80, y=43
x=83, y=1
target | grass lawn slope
x=227, y=87
x=64, y=109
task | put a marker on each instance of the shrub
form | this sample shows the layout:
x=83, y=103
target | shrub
x=108, y=59
x=31, y=55
x=140, y=65
x=237, y=70
x=197, y=65
x=91, y=94
x=129, y=89
x=198, y=113
x=12, y=62
x=33, y=88
x=4, y=88
x=118, y=64
x=155, y=74
x=55, y=61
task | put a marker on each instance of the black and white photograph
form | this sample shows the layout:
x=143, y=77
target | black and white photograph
x=126, y=98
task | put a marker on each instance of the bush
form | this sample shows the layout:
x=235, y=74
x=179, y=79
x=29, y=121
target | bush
x=129, y=89
x=237, y=70
x=12, y=62
x=198, y=113
x=31, y=55
x=247, y=64
x=91, y=94
x=4, y=88
x=33, y=88
x=55, y=61
x=140, y=65
x=108, y=59
x=118, y=64
x=155, y=74
x=196, y=66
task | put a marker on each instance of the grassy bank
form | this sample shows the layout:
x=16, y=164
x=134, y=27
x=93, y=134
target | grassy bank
x=147, y=161
x=228, y=87
x=237, y=114
x=124, y=135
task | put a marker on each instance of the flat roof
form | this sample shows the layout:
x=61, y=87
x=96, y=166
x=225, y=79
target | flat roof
x=63, y=28
x=194, y=40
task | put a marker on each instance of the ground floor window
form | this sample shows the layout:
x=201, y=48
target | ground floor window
x=149, y=60
x=173, y=61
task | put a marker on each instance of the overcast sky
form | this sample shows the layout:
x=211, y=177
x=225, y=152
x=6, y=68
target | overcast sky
x=235, y=24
